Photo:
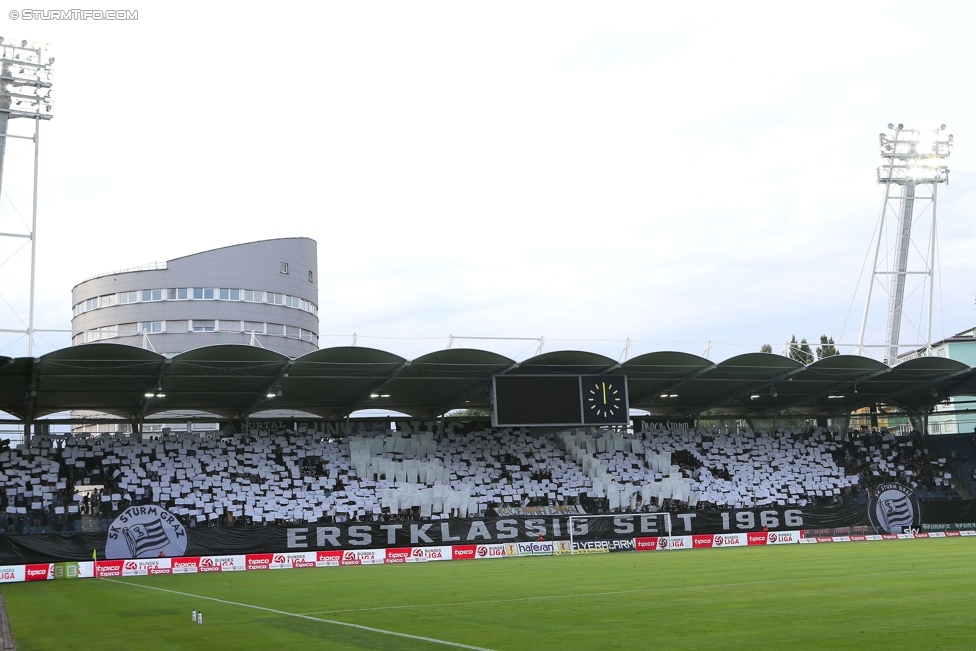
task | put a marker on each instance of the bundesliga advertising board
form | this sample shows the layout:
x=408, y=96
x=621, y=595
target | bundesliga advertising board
x=336, y=558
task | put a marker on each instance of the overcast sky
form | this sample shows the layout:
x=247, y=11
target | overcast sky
x=671, y=173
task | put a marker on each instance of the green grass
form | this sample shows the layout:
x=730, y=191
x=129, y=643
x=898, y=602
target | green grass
x=891, y=595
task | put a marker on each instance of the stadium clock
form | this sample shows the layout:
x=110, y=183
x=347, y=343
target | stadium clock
x=604, y=399
x=559, y=400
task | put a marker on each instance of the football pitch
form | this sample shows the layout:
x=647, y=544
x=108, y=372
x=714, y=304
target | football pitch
x=891, y=594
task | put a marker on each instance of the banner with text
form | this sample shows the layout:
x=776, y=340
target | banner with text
x=444, y=534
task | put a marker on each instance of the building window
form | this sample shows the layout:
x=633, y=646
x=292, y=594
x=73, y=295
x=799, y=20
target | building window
x=200, y=325
x=284, y=267
x=198, y=293
x=128, y=297
x=276, y=329
x=311, y=279
x=151, y=326
x=235, y=294
x=253, y=326
x=152, y=295
x=224, y=294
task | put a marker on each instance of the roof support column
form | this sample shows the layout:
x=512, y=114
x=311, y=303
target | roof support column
x=31, y=400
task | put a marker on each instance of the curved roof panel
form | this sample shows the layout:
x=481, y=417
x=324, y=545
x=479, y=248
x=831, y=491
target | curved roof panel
x=111, y=378
x=229, y=380
x=566, y=361
x=15, y=378
x=926, y=381
x=651, y=374
x=333, y=382
x=437, y=382
x=731, y=384
x=234, y=381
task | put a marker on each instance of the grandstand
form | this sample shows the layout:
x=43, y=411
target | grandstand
x=304, y=474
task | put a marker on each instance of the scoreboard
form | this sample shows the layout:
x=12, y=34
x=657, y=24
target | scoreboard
x=559, y=400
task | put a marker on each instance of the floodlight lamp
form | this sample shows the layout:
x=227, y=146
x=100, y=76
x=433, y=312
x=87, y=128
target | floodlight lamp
x=773, y=392
x=942, y=127
x=150, y=394
x=278, y=393
x=374, y=395
x=160, y=394
x=270, y=395
x=754, y=396
x=934, y=392
x=384, y=395
x=834, y=397
x=901, y=126
x=23, y=43
x=891, y=126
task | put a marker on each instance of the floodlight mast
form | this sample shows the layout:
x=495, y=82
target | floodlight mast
x=25, y=92
x=913, y=160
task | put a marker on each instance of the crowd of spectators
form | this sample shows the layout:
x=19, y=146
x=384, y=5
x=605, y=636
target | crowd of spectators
x=304, y=475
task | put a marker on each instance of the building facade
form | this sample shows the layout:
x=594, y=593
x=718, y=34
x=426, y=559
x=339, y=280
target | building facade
x=956, y=415
x=260, y=293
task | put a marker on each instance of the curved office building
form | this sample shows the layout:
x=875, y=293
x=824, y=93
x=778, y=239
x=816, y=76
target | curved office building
x=260, y=293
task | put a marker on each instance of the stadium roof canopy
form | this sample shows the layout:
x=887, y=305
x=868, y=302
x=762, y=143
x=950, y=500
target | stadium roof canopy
x=232, y=381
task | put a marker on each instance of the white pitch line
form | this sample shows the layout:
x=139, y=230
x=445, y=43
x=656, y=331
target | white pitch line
x=620, y=592
x=300, y=616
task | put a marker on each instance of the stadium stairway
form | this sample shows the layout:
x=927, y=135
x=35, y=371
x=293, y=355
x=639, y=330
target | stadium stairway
x=90, y=524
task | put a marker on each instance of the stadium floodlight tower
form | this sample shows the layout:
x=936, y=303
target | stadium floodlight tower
x=914, y=167
x=25, y=92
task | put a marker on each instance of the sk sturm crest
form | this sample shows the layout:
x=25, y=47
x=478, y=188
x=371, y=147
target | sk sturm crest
x=144, y=532
x=894, y=509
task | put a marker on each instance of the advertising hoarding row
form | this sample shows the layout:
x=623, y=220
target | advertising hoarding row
x=392, y=555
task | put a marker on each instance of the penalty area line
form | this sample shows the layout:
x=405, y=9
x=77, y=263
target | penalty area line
x=309, y=617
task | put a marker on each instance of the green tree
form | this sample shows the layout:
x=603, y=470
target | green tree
x=766, y=348
x=826, y=347
x=800, y=351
